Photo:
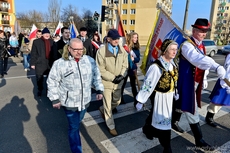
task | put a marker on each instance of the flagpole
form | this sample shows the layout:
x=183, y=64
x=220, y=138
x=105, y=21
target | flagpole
x=187, y=37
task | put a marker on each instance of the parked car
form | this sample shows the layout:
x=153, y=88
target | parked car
x=226, y=49
x=210, y=47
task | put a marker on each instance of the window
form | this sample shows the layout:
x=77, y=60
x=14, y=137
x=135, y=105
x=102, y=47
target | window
x=132, y=22
x=228, y=1
x=224, y=21
x=133, y=1
x=133, y=11
x=225, y=14
x=124, y=22
x=131, y=30
x=125, y=1
x=109, y=2
x=226, y=8
x=124, y=11
x=221, y=1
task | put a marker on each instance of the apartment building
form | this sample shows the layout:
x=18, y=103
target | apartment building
x=7, y=15
x=136, y=15
x=220, y=21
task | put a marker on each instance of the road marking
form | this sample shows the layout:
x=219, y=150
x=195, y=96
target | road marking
x=124, y=143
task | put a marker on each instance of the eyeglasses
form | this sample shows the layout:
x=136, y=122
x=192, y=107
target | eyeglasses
x=76, y=49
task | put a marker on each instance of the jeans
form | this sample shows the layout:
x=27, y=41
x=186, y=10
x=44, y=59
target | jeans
x=1, y=66
x=26, y=61
x=74, y=119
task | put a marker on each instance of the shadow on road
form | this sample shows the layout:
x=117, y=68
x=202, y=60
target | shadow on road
x=12, y=116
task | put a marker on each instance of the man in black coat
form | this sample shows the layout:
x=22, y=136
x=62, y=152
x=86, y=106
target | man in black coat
x=86, y=41
x=40, y=57
x=58, y=47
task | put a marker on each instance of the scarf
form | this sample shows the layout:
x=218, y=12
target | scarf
x=47, y=47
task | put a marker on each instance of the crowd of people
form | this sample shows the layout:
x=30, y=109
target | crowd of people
x=75, y=66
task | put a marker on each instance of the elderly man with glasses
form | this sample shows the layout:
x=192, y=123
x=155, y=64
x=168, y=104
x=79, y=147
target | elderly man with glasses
x=69, y=85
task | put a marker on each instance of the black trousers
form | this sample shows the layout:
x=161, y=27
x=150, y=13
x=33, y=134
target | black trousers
x=132, y=84
x=164, y=136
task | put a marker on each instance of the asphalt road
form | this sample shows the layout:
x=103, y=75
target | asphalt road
x=29, y=124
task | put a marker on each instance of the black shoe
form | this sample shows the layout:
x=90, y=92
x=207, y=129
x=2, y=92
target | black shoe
x=203, y=145
x=145, y=131
x=209, y=119
x=39, y=94
x=177, y=128
x=5, y=73
x=1, y=76
x=114, y=111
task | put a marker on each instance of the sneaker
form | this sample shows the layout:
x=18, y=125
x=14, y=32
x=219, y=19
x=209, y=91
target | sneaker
x=113, y=132
x=114, y=111
x=28, y=69
x=25, y=69
x=5, y=73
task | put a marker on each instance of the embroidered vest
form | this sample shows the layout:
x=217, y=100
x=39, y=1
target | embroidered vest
x=167, y=80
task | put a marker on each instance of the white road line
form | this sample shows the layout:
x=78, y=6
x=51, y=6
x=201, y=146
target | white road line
x=94, y=117
x=124, y=143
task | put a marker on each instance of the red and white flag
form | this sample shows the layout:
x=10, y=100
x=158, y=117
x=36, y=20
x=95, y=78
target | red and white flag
x=95, y=44
x=118, y=24
x=58, y=29
x=33, y=32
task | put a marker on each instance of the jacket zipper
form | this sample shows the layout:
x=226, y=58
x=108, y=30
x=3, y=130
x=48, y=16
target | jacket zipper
x=81, y=85
x=67, y=95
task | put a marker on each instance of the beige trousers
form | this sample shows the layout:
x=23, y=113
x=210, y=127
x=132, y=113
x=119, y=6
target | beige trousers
x=111, y=99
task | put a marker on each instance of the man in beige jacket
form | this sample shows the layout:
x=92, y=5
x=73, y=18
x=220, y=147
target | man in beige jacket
x=112, y=61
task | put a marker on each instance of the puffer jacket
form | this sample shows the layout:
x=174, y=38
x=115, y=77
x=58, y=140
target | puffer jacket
x=70, y=82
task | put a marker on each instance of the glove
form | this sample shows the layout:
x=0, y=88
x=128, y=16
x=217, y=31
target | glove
x=139, y=106
x=118, y=79
x=205, y=84
x=176, y=96
x=221, y=72
x=228, y=90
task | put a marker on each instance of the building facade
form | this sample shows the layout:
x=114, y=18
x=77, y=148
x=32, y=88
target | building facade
x=7, y=15
x=220, y=21
x=136, y=15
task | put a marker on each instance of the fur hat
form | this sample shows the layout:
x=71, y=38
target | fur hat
x=202, y=24
x=83, y=29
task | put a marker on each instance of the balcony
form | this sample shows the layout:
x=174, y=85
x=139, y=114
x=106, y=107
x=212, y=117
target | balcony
x=222, y=11
x=220, y=17
x=111, y=6
x=3, y=9
x=110, y=16
x=5, y=22
x=223, y=4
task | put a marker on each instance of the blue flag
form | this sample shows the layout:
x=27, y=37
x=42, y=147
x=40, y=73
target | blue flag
x=72, y=31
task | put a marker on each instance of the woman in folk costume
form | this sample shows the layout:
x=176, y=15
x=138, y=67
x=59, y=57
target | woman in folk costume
x=220, y=95
x=133, y=49
x=159, y=85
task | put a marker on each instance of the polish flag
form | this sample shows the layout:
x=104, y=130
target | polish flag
x=58, y=29
x=33, y=32
x=95, y=44
x=118, y=24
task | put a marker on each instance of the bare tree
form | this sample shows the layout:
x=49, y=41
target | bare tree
x=27, y=19
x=71, y=11
x=54, y=10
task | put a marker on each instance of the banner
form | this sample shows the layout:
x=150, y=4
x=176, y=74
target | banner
x=164, y=28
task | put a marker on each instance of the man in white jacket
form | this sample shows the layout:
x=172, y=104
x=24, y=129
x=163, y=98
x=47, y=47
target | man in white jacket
x=69, y=85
